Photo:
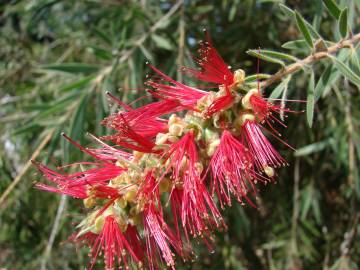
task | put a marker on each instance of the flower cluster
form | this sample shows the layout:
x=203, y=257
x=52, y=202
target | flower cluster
x=195, y=163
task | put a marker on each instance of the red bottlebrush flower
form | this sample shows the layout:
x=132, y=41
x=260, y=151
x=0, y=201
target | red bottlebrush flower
x=265, y=156
x=143, y=120
x=263, y=110
x=213, y=67
x=232, y=170
x=113, y=243
x=186, y=95
x=78, y=184
x=195, y=199
x=128, y=138
x=160, y=239
x=220, y=103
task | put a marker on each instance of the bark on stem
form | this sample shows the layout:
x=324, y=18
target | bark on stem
x=310, y=60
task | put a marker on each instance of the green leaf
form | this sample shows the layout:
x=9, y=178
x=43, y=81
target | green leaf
x=77, y=122
x=354, y=62
x=347, y=72
x=78, y=84
x=276, y=93
x=72, y=67
x=312, y=148
x=100, y=52
x=343, y=25
x=295, y=44
x=274, y=54
x=327, y=79
x=146, y=53
x=304, y=29
x=162, y=42
x=288, y=12
x=310, y=100
x=102, y=35
x=255, y=77
x=265, y=57
x=333, y=8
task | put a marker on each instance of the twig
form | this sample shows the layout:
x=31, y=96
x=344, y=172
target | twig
x=26, y=167
x=54, y=231
x=310, y=60
x=181, y=42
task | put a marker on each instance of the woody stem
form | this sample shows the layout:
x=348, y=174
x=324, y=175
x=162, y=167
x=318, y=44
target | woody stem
x=350, y=42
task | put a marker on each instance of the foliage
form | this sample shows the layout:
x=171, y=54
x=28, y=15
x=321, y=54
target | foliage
x=59, y=57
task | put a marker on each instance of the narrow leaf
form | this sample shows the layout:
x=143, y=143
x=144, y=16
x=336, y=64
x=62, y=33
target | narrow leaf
x=333, y=8
x=347, y=72
x=274, y=54
x=354, y=62
x=304, y=29
x=312, y=148
x=72, y=67
x=276, y=93
x=265, y=58
x=343, y=25
x=327, y=79
x=310, y=100
x=255, y=77
x=161, y=42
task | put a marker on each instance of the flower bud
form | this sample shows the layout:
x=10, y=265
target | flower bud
x=212, y=147
x=176, y=129
x=99, y=223
x=122, y=202
x=246, y=99
x=173, y=119
x=239, y=77
x=161, y=138
x=131, y=193
x=89, y=202
x=242, y=118
x=165, y=185
x=269, y=171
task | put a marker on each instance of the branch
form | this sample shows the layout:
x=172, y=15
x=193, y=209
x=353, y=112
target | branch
x=310, y=60
x=26, y=167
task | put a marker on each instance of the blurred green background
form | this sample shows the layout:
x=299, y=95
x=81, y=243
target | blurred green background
x=57, y=59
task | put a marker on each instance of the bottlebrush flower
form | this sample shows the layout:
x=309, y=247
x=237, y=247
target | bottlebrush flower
x=264, y=111
x=183, y=162
x=112, y=241
x=266, y=158
x=213, y=68
x=158, y=235
x=77, y=184
x=232, y=170
x=186, y=95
